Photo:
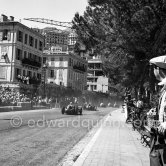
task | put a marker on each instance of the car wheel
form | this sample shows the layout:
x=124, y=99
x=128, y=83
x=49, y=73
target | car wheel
x=81, y=111
x=63, y=110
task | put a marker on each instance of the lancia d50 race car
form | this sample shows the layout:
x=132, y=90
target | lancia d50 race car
x=72, y=110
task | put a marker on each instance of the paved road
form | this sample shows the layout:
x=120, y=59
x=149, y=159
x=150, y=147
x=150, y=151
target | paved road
x=42, y=137
x=19, y=119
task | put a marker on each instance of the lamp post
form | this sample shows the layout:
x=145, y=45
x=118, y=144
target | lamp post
x=45, y=66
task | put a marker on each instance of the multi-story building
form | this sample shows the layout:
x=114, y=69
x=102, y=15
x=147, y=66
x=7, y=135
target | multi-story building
x=21, y=50
x=72, y=39
x=54, y=37
x=66, y=69
x=96, y=81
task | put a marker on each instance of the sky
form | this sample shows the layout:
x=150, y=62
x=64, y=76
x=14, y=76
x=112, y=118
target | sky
x=58, y=10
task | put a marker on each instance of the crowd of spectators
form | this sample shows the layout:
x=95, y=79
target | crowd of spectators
x=10, y=97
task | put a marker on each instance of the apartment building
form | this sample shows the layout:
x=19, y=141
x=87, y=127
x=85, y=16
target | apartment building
x=66, y=69
x=21, y=50
x=96, y=81
x=54, y=37
x=72, y=39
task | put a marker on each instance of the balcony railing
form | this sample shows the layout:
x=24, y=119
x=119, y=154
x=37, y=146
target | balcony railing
x=31, y=62
x=94, y=68
x=80, y=68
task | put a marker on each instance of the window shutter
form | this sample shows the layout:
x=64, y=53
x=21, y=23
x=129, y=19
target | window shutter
x=1, y=36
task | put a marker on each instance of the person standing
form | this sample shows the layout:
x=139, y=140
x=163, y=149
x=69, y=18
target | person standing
x=158, y=143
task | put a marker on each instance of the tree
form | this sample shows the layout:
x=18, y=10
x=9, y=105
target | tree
x=133, y=28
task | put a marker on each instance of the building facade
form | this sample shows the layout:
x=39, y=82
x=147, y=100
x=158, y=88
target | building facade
x=72, y=39
x=66, y=69
x=21, y=51
x=96, y=81
x=55, y=37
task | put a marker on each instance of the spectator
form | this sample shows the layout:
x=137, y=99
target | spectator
x=11, y=97
x=158, y=156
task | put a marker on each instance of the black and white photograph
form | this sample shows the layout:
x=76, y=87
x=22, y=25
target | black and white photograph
x=83, y=82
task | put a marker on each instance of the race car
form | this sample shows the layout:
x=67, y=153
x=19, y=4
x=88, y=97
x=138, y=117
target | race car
x=72, y=110
x=90, y=107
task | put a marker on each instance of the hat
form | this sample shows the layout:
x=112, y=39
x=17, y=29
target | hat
x=159, y=61
x=163, y=82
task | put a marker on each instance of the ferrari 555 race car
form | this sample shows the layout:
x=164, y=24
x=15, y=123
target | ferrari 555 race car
x=72, y=110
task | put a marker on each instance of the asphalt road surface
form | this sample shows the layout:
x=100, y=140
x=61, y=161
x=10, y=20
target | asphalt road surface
x=42, y=137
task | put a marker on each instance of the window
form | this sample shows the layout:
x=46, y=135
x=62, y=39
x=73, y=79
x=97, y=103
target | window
x=20, y=36
x=40, y=46
x=32, y=56
x=38, y=76
x=17, y=72
x=52, y=74
x=35, y=57
x=69, y=61
x=52, y=61
x=18, y=54
x=61, y=64
x=5, y=34
x=29, y=55
x=36, y=43
x=44, y=60
x=23, y=72
x=29, y=73
x=25, y=54
x=61, y=58
x=26, y=39
x=31, y=41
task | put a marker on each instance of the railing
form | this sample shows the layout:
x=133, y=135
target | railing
x=31, y=62
x=94, y=68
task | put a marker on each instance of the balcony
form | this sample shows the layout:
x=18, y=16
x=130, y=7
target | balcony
x=94, y=68
x=31, y=62
x=28, y=80
x=80, y=68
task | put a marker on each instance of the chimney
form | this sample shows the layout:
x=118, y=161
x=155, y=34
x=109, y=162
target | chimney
x=11, y=18
x=4, y=18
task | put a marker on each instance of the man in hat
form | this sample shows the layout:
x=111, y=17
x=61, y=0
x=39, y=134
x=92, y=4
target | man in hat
x=158, y=147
